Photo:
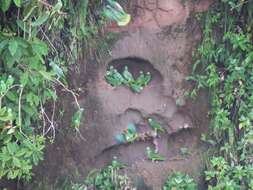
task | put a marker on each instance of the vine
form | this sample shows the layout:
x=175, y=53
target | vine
x=224, y=65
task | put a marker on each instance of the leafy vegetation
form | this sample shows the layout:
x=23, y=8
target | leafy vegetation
x=224, y=65
x=179, y=181
x=39, y=41
x=108, y=178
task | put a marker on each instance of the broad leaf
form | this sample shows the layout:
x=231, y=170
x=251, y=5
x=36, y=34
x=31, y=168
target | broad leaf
x=39, y=47
x=46, y=75
x=5, y=4
x=12, y=96
x=22, y=25
x=17, y=3
x=3, y=44
x=57, y=7
x=24, y=78
x=41, y=20
x=13, y=46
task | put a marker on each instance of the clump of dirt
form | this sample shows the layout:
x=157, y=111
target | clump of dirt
x=160, y=40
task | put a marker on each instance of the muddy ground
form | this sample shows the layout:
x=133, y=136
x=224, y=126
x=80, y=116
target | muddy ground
x=160, y=40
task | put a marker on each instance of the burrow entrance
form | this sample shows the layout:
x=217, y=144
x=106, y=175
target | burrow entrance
x=135, y=65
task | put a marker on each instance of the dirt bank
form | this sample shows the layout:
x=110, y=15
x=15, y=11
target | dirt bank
x=160, y=40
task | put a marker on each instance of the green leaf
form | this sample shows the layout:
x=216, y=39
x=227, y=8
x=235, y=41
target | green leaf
x=57, y=7
x=24, y=78
x=3, y=44
x=5, y=114
x=13, y=46
x=12, y=147
x=16, y=162
x=12, y=96
x=41, y=20
x=29, y=13
x=17, y=3
x=46, y=75
x=39, y=47
x=11, y=131
x=22, y=25
x=5, y=5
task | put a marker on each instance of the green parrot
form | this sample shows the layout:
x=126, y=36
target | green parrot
x=111, y=70
x=111, y=80
x=10, y=80
x=56, y=69
x=154, y=156
x=155, y=125
x=129, y=135
x=76, y=119
x=118, y=76
x=141, y=79
x=115, y=12
x=136, y=87
x=127, y=75
x=109, y=73
x=113, y=77
x=147, y=78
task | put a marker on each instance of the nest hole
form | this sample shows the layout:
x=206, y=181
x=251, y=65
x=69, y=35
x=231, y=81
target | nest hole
x=135, y=65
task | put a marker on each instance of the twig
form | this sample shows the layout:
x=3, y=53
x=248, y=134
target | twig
x=19, y=111
x=77, y=104
x=70, y=91
x=49, y=41
x=13, y=86
x=51, y=124
x=43, y=118
x=239, y=4
x=49, y=6
x=80, y=134
x=18, y=15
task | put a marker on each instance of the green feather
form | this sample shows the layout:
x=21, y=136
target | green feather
x=155, y=125
x=115, y=12
x=154, y=156
x=131, y=127
x=120, y=138
x=141, y=79
x=76, y=119
x=136, y=87
x=118, y=76
x=112, y=81
x=113, y=77
x=147, y=78
x=127, y=75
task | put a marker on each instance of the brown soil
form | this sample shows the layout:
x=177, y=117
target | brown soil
x=160, y=40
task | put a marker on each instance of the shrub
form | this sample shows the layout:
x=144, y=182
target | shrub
x=179, y=181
